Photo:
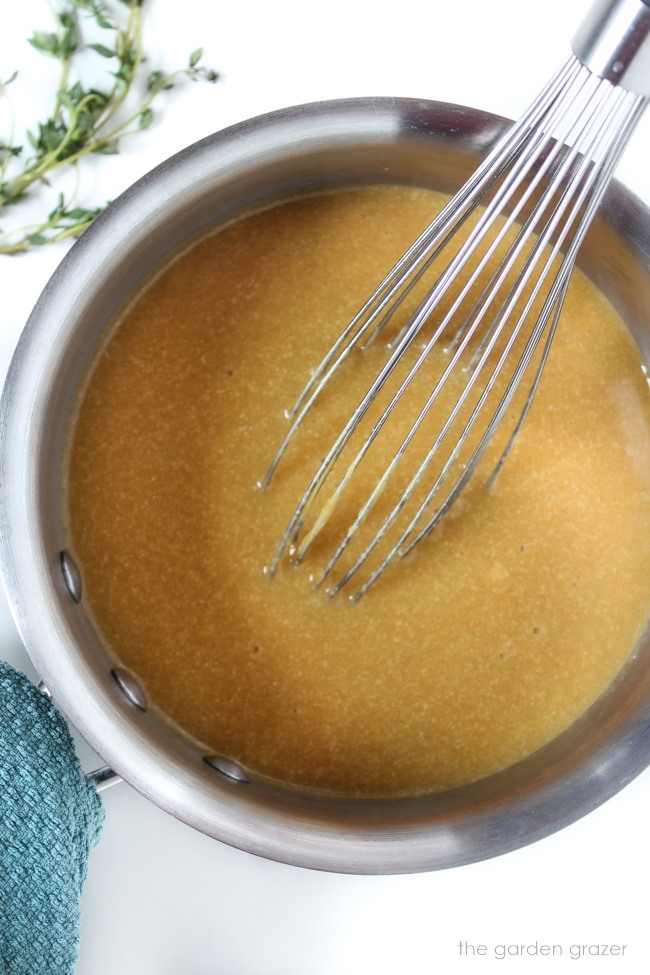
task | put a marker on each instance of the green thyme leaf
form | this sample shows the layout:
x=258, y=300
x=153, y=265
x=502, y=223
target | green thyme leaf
x=159, y=81
x=146, y=118
x=3, y=84
x=46, y=43
x=107, y=148
x=105, y=52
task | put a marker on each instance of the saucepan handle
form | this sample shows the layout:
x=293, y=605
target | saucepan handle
x=103, y=777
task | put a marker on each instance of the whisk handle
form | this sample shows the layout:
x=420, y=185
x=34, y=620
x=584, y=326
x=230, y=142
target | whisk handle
x=613, y=41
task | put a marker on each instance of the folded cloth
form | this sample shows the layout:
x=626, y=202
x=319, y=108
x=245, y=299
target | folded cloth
x=50, y=817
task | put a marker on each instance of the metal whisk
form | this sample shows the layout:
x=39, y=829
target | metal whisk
x=524, y=212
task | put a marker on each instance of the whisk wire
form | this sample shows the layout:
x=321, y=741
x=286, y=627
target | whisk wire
x=415, y=324
x=595, y=185
x=519, y=172
x=423, y=252
x=634, y=109
x=538, y=191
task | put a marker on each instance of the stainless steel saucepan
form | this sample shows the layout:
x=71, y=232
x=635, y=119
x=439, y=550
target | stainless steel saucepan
x=325, y=144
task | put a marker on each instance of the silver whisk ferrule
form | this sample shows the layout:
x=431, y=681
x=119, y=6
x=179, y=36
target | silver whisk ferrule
x=527, y=207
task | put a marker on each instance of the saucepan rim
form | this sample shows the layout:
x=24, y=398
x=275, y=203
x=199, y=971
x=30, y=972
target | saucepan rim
x=589, y=763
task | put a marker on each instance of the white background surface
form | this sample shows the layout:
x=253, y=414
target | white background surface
x=160, y=898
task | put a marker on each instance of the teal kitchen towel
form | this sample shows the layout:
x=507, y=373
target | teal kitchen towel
x=50, y=818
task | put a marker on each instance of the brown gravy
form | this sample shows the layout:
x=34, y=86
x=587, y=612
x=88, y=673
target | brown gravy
x=486, y=644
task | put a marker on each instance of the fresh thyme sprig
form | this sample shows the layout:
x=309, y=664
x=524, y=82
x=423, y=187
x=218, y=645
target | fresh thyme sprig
x=83, y=120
